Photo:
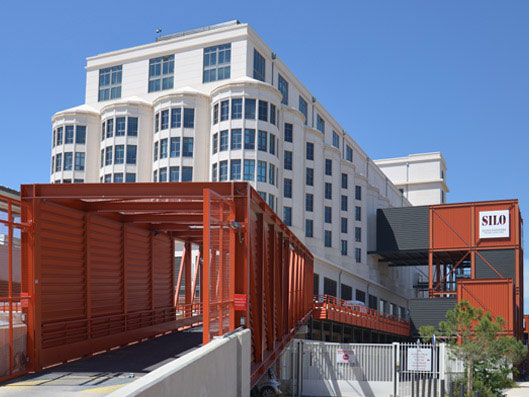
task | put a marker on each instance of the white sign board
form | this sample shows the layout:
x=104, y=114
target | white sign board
x=494, y=224
x=345, y=356
x=419, y=359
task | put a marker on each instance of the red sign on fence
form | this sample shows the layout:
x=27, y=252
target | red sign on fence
x=240, y=302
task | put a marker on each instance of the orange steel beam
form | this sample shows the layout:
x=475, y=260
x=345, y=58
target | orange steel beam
x=195, y=275
x=187, y=279
x=142, y=206
x=180, y=275
x=204, y=289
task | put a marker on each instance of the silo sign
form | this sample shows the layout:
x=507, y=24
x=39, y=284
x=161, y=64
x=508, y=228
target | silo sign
x=494, y=224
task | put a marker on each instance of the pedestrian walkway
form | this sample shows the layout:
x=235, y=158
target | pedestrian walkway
x=521, y=391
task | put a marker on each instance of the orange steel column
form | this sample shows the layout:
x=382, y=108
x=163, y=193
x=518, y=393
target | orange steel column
x=187, y=279
x=472, y=242
x=220, y=275
x=430, y=253
x=180, y=275
x=204, y=281
x=195, y=275
x=231, y=272
x=10, y=282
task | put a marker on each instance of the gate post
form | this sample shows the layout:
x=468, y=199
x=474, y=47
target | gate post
x=396, y=367
x=442, y=363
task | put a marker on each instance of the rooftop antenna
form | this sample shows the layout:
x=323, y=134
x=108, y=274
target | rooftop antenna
x=159, y=32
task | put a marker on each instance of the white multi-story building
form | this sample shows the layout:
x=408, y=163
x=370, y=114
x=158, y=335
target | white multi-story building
x=420, y=177
x=217, y=104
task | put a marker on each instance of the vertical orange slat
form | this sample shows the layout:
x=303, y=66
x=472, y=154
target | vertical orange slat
x=221, y=275
x=232, y=257
x=10, y=282
x=187, y=280
x=204, y=282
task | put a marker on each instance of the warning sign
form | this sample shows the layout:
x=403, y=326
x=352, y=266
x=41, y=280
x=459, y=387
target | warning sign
x=419, y=359
x=240, y=302
x=345, y=356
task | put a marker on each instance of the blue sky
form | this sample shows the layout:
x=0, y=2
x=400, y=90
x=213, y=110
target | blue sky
x=401, y=76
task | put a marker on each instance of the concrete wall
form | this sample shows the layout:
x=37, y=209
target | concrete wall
x=220, y=368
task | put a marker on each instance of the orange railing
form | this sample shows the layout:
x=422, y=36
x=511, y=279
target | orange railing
x=326, y=307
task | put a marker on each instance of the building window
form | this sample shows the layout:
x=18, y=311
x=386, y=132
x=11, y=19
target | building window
x=235, y=170
x=287, y=188
x=189, y=118
x=59, y=135
x=320, y=124
x=155, y=151
x=249, y=108
x=223, y=171
x=175, y=147
x=328, y=238
x=68, y=160
x=214, y=172
x=360, y=296
x=263, y=195
x=224, y=140
x=309, y=228
x=217, y=63
x=174, y=174
x=216, y=113
x=303, y=108
x=130, y=177
x=343, y=225
x=108, y=178
x=187, y=174
x=163, y=148
x=109, y=83
x=156, y=122
x=132, y=126
x=58, y=162
x=68, y=136
x=344, y=203
x=108, y=156
x=358, y=234
x=119, y=154
x=249, y=138
x=102, y=159
x=78, y=180
x=309, y=202
x=282, y=85
x=287, y=216
x=349, y=153
x=249, y=170
x=263, y=111
x=258, y=66
x=288, y=132
x=215, y=144
x=224, y=110
x=163, y=174
x=164, y=120
x=287, y=154
x=273, y=114
x=187, y=147
x=309, y=176
x=262, y=141
x=335, y=139
x=328, y=215
x=344, y=250
x=358, y=192
x=344, y=181
x=442, y=197
x=261, y=171
x=161, y=72
x=347, y=291
x=272, y=146
x=358, y=255
x=110, y=128
x=176, y=118
x=131, y=154
x=236, y=138
x=271, y=199
x=310, y=151
x=79, y=161
x=236, y=108
x=271, y=174
x=358, y=213
x=80, y=134
x=328, y=191
x=328, y=167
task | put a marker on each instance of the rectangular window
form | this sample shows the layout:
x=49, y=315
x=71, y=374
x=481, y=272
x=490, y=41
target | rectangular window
x=119, y=154
x=347, y=291
x=161, y=72
x=52, y=164
x=320, y=124
x=78, y=180
x=156, y=122
x=155, y=153
x=58, y=162
x=358, y=192
x=176, y=118
x=68, y=160
x=79, y=161
x=223, y=171
x=187, y=174
x=360, y=296
x=328, y=191
x=328, y=215
x=217, y=63
x=215, y=143
x=216, y=113
x=108, y=178
x=309, y=176
x=287, y=216
x=163, y=148
x=236, y=108
x=328, y=238
x=288, y=132
x=236, y=138
x=224, y=140
x=80, y=134
x=258, y=66
x=68, y=136
x=271, y=174
x=309, y=202
x=120, y=126
x=310, y=151
x=109, y=83
x=249, y=170
x=155, y=176
x=163, y=174
x=131, y=154
x=263, y=195
x=358, y=234
x=132, y=127
x=263, y=111
x=349, y=153
x=224, y=110
x=174, y=174
x=130, y=177
x=303, y=108
x=235, y=170
x=287, y=159
x=344, y=252
x=344, y=203
x=262, y=140
x=282, y=85
x=328, y=167
x=273, y=114
x=214, y=172
x=316, y=284
x=59, y=134
x=110, y=128
x=108, y=156
x=335, y=139
x=344, y=225
x=175, y=147
x=189, y=118
x=102, y=161
x=344, y=181
x=271, y=200
x=358, y=255
x=287, y=188
x=249, y=138
x=272, y=146
x=261, y=171
x=249, y=109
x=187, y=148
x=358, y=213
x=309, y=228
x=164, y=124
